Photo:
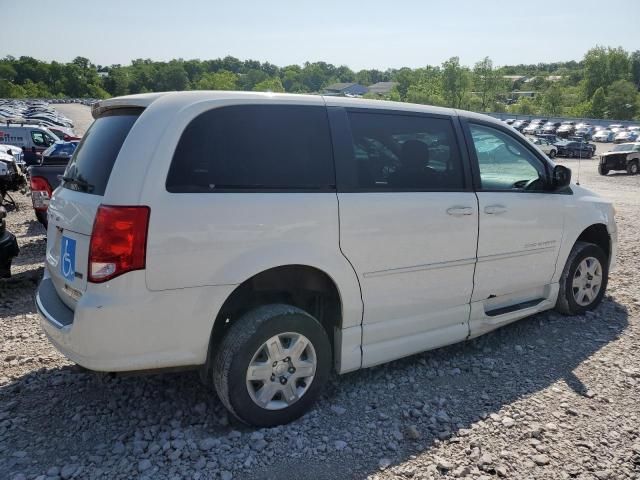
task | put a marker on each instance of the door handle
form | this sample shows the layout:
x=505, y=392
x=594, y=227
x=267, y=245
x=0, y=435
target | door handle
x=495, y=209
x=459, y=211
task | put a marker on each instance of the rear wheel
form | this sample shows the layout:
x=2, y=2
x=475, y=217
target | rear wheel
x=584, y=279
x=271, y=365
x=602, y=170
x=633, y=168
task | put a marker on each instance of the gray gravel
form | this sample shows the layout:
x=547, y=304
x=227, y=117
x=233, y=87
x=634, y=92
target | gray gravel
x=549, y=397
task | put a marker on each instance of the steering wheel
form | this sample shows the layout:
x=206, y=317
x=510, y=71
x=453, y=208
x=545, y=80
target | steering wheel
x=525, y=184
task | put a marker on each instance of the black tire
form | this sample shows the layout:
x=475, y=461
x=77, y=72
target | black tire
x=552, y=154
x=245, y=337
x=566, y=302
x=602, y=170
x=633, y=168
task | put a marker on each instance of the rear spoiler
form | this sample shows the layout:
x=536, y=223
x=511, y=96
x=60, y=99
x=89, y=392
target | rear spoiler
x=129, y=101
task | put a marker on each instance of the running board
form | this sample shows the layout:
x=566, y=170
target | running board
x=514, y=308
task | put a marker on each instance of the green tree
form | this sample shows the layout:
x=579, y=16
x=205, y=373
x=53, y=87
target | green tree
x=173, y=77
x=117, y=82
x=524, y=106
x=269, y=85
x=603, y=66
x=455, y=82
x=487, y=83
x=598, y=103
x=222, y=80
x=552, y=100
x=634, y=63
x=622, y=100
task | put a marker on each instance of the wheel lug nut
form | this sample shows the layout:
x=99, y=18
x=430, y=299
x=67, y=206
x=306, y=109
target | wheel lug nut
x=275, y=364
x=283, y=381
x=292, y=370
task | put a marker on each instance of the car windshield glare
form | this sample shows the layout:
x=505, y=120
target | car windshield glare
x=625, y=147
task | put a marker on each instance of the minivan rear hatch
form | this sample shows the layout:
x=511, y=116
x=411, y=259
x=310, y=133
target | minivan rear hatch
x=73, y=207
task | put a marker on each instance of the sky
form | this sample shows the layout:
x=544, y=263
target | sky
x=365, y=34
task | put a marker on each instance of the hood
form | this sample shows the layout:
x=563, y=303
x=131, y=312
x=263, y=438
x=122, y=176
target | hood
x=619, y=152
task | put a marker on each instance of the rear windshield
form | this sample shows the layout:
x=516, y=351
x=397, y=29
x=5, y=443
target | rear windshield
x=92, y=162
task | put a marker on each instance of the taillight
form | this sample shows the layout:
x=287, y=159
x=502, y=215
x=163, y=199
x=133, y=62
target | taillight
x=118, y=241
x=40, y=193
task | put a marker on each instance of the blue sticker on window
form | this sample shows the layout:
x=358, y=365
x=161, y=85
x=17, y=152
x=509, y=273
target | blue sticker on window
x=68, y=258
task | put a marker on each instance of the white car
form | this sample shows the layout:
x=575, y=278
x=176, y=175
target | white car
x=269, y=238
x=549, y=148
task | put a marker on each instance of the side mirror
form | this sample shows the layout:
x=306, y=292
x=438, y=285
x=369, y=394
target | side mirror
x=561, y=177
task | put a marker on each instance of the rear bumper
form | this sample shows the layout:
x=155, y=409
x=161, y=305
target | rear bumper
x=122, y=326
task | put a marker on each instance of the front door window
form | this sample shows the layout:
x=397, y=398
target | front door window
x=504, y=163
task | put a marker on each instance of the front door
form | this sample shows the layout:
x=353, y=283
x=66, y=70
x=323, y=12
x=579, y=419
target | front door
x=408, y=225
x=521, y=220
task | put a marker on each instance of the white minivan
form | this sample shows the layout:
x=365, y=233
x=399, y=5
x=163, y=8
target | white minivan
x=267, y=239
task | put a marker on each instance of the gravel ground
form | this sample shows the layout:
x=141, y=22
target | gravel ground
x=549, y=397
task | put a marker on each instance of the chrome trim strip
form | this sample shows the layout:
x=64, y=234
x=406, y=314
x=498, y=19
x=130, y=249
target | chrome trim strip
x=418, y=268
x=42, y=311
x=502, y=256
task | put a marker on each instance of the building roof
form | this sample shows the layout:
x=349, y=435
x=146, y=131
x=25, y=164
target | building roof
x=382, y=87
x=338, y=87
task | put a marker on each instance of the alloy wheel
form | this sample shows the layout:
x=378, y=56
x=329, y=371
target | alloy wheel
x=587, y=281
x=281, y=371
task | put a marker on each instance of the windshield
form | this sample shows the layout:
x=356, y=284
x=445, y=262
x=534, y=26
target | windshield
x=90, y=167
x=626, y=147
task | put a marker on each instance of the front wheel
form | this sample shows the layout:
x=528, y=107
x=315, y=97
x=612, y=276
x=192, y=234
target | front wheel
x=584, y=279
x=602, y=170
x=271, y=365
x=632, y=168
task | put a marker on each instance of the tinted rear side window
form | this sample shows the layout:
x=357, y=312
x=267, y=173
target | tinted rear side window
x=396, y=152
x=90, y=167
x=259, y=147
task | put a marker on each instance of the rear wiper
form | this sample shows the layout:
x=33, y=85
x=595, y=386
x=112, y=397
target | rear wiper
x=79, y=182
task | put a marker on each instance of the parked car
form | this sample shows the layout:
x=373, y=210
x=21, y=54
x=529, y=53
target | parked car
x=566, y=129
x=45, y=176
x=533, y=128
x=32, y=139
x=604, y=136
x=625, y=156
x=59, y=153
x=550, y=128
x=549, y=137
x=547, y=147
x=575, y=149
x=16, y=153
x=520, y=124
x=625, y=136
x=585, y=132
x=299, y=253
x=66, y=134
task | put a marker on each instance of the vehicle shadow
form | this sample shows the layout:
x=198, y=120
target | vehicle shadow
x=34, y=229
x=88, y=414
x=17, y=293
